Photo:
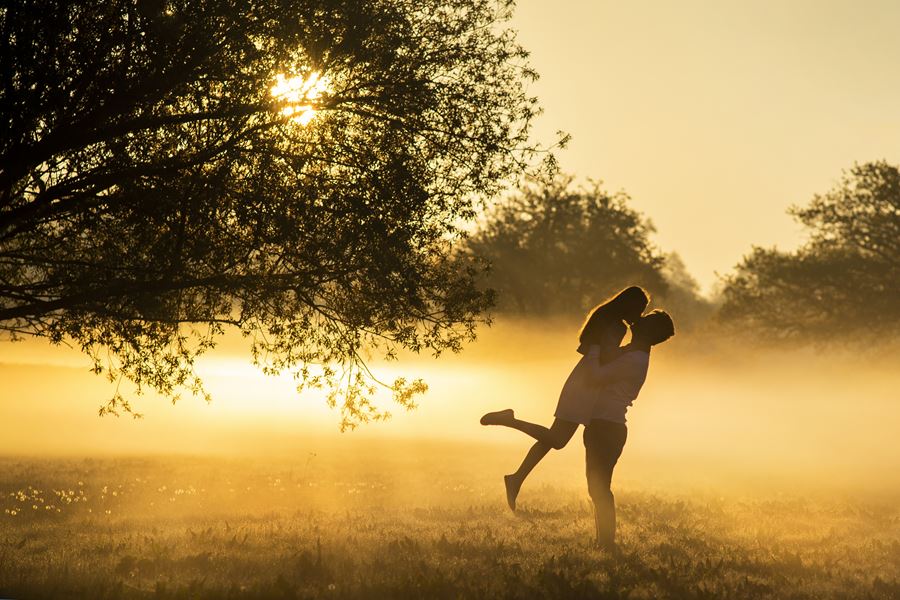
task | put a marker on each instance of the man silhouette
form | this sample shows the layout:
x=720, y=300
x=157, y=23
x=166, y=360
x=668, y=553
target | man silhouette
x=619, y=383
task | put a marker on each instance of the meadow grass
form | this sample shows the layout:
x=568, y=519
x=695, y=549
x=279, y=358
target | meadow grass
x=180, y=527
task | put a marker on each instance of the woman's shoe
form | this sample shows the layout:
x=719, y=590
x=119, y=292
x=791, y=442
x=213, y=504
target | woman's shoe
x=500, y=417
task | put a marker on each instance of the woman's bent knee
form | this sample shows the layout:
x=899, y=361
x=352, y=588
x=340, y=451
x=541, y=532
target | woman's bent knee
x=559, y=444
x=560, y=433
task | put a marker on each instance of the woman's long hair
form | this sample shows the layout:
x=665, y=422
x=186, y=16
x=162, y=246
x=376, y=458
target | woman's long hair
x=612, y=313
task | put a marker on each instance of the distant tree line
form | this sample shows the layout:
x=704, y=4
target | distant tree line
x=555, y=248
x=843, y=284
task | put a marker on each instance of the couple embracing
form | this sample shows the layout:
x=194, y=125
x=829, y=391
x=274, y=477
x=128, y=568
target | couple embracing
x=596, y=394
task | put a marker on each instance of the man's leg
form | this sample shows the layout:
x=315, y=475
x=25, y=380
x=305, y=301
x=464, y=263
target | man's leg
x=603, y=442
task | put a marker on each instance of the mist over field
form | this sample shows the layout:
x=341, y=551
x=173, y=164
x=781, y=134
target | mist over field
x=714, y=413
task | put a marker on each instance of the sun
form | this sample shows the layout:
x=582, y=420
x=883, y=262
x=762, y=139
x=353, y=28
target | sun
x=298, y=94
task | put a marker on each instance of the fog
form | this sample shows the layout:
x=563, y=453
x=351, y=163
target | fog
x=714, y=413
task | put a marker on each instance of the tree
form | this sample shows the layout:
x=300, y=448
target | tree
x=295, y=169
x=557, y=249
x=844, y=283
x=682, y=297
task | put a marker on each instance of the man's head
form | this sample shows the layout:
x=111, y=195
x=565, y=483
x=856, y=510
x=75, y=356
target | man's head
x=653, y=328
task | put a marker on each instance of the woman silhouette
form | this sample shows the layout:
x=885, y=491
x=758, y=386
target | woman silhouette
x=600, y=335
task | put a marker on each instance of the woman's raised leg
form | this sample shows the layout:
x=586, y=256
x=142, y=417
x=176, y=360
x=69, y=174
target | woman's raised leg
x=556, y=436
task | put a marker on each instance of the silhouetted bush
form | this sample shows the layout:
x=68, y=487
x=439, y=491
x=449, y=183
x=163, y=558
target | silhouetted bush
x=557, y=249
x=844, y=284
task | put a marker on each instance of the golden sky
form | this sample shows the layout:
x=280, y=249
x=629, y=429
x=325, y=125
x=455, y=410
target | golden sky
x=717, y=115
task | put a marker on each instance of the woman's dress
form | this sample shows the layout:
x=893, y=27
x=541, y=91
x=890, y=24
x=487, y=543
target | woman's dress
x=579, y=392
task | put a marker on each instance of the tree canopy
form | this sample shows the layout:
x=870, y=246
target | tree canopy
x=843, y=284
x=555, y=248
x=295, y=169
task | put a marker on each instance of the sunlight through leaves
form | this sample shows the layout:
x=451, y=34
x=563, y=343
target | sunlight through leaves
x=298, y=95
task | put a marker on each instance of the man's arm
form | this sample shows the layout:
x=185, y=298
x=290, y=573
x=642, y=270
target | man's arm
x=605, y=373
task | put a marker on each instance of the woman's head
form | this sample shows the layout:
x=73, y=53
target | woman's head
x=630, y=303
x=627, y=305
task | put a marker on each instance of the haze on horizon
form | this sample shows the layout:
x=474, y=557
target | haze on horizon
x=713, y=414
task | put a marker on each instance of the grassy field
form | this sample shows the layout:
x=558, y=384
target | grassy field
x=412, y=527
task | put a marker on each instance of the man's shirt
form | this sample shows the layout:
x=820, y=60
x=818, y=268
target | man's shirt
x=618, y=384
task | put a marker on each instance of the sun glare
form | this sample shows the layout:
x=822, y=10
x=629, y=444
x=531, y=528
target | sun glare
x=298, y=94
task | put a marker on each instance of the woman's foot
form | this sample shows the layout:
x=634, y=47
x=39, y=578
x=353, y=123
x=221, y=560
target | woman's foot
x=513, y=485
x=500, y=417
